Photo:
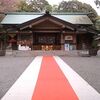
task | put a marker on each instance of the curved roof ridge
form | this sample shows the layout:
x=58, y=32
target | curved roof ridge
x=41, y=13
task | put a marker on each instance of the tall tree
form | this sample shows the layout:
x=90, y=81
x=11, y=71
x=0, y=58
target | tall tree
x=34, y=5
x=76, y=6
x=24, y=6
x=97, y=23
x=54, y=8
x=8, y=5
x=97, y=2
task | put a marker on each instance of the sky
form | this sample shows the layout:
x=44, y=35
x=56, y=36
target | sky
x=91, y=2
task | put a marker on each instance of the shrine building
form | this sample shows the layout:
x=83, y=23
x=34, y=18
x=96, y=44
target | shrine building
x=48, y=31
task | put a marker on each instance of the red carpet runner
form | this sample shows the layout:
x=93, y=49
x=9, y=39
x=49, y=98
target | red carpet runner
x=52, y=84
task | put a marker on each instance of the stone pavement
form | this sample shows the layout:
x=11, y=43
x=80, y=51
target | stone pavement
x=87, y=67
x=12, y=67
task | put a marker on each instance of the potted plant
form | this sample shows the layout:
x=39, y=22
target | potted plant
x=2, y=44
x=94, y=48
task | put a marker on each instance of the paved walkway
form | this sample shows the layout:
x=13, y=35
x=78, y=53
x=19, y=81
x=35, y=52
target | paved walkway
x=87, y=67
x=10, y=69
x=49, y=78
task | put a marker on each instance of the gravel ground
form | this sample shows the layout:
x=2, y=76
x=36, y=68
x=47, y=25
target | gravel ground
x=87, y=67
x=12, y=67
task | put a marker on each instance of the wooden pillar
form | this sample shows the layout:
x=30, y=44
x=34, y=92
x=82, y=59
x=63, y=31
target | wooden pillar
x=62, y=41
x=75, y=40
x=18, y=39
x=32, y=40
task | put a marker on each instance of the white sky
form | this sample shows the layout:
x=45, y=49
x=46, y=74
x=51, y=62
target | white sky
x=91, y=2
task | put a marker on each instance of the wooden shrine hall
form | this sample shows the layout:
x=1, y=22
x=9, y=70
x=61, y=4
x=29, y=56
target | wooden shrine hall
x=45, y=31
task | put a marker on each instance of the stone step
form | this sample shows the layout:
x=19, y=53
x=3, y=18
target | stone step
x=44, y=53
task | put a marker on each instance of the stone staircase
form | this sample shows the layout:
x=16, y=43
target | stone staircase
x=33, y=53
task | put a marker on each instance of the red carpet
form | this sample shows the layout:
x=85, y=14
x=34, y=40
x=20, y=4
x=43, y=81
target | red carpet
x=52, y=84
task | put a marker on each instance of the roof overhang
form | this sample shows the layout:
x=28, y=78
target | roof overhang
x=25, y=20
x=22, y=17
x=47, y=17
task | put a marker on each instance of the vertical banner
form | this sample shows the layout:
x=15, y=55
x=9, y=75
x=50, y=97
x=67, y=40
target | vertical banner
x=67, y=47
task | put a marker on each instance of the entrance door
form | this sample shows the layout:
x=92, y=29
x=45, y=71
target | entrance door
x=46, y=41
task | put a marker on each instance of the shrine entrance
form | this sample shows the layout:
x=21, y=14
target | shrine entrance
x=46, y=41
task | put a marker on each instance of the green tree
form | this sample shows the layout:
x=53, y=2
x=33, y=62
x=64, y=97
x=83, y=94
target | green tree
x=34, y=5
x=54, y=8
x=97, y=2
x=76, y=6
x=48, y=8
x=24, y=6
x=97, y=23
